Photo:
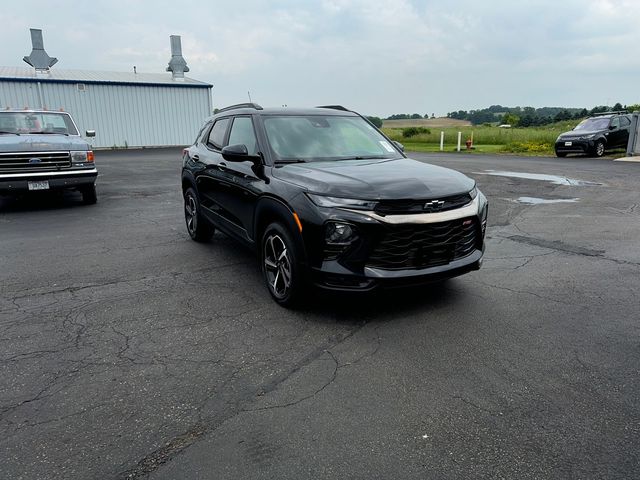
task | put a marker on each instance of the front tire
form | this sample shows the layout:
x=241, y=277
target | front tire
x=199, y=229
x=561, y=154
x=89, y=195
x=281, y=268
x=598, y=148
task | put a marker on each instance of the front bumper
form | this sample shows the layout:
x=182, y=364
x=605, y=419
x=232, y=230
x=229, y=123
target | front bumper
x=575, y=146
x=402, y=250
x=19, y=182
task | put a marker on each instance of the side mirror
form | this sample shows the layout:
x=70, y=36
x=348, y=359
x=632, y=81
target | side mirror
x=612, y=127
x=90, y=133
x=399, y=146
x=238, y=153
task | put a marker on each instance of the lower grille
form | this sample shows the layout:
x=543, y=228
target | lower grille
x=423, y=246
x=34, y=161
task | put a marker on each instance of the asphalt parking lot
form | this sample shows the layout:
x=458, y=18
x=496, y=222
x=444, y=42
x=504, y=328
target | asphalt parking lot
x=129, y=351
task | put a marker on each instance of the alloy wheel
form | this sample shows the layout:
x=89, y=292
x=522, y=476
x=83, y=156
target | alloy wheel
x=277, y=265
x=191, y=214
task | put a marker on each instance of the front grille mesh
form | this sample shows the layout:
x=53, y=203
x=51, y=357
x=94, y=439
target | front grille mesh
x=16, y=162
x=426, y=245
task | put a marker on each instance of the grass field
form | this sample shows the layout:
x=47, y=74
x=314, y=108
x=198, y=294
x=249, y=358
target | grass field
x=426, y=122
x=486, y=139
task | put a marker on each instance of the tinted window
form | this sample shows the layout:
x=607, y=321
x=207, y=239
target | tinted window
x=216, y=137
x=615, y=122
x=624, y=122
x=318, y=137
x=242, y=133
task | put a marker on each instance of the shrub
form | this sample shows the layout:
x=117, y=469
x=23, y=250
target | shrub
x=413, y=131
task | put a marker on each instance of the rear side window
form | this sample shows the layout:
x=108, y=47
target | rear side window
x=216, y=137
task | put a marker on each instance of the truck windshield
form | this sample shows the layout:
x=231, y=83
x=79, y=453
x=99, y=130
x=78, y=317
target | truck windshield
x=37, y=122
x=325, y=137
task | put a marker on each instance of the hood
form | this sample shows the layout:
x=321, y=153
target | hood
x=41, y=143
x=579, y=133
x=402, y=178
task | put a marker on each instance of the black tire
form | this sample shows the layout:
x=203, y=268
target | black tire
x=598, y=149
x=89, y=195
x=282, y=271
x=199, y=229
x=561, y=154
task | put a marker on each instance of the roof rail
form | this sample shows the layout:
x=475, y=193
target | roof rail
x=255, y=106
x=617, y=112
x=334, y=107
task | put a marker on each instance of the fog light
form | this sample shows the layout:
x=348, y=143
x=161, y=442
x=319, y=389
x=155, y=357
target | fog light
x=339, y=234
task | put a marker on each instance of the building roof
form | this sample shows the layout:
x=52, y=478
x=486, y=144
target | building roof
x=55, y=75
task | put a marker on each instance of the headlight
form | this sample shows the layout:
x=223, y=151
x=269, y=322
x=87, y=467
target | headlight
x=81, y=156
x=473, y=193
x=357, y=204
x=587, y=137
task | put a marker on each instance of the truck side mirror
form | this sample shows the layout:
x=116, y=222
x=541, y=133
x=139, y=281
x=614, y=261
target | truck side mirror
x=90, y=133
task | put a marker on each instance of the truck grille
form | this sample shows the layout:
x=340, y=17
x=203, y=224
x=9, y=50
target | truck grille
x=427, y=245
x=16, y=162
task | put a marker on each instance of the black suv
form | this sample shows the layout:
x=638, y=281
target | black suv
x=326, y=198
x=594, y=135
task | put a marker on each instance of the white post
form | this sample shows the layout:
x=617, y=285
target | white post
x=441, y=141
x=459, y=138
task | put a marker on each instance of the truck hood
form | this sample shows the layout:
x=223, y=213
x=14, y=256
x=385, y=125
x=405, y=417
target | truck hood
x=41, y=143
x=402, y=178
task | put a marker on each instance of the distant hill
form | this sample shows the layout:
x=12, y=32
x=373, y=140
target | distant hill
x=426, y=122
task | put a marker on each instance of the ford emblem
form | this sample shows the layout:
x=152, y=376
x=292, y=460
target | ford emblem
x=35, y=160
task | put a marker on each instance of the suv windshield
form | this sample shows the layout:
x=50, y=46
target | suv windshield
x=591, y=124
x=37, y=122
x=330, y=137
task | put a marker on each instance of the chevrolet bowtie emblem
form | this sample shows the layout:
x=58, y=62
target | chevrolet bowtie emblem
x=434, y=206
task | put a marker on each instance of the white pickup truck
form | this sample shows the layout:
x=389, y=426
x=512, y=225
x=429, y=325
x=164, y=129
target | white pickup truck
x=42, y=150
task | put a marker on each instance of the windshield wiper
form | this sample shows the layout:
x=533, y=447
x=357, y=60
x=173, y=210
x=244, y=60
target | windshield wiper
x=42, y=132
x=367, y=157
x=291, y=160
x=10, y=133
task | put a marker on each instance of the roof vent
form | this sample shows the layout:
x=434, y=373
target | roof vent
x=39, y=58
x=177, y=64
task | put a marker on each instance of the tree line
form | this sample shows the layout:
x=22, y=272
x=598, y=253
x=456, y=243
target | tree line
x=529, y=116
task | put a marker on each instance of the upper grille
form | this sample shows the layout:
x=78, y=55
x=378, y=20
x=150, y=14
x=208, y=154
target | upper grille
x=425, y=245
x=26, y=161
x=399, y=207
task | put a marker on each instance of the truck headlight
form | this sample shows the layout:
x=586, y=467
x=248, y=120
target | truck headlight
x=81, y=156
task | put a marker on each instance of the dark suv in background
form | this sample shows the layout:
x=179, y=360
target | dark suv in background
x=325, y=198
x=595, y=135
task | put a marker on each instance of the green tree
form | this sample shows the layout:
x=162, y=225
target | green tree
x=510, y=119
x=377, y=121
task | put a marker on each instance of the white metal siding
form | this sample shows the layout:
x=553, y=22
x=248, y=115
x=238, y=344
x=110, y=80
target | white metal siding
x=122, y=115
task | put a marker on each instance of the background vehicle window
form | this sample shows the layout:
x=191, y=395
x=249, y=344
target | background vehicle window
x=615, y=122
x=624, y=122
x=216, y=137
x=242, y=133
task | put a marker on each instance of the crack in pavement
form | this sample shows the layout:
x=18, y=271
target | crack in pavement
x=175, y=446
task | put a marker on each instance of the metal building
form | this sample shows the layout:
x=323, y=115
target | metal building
x=125, y=109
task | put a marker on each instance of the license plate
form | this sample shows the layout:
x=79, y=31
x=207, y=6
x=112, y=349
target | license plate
x=568, y=144
x=43, y=185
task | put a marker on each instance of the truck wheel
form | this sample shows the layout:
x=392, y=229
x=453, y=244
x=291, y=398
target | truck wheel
x=89, y=196
x=561, y=154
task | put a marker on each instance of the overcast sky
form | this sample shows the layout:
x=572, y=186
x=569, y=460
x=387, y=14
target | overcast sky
x=376, y=56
